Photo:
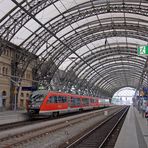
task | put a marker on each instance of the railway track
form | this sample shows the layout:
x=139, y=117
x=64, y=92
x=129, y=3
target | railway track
x=31, y=121
x=23, y=137
x=101, y=135
x=20, y=124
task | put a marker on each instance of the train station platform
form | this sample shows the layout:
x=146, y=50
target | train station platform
x=12, y=116
x=134, y=132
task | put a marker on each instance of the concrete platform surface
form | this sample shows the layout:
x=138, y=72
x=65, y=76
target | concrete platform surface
x=12, y=116
x=134, y=133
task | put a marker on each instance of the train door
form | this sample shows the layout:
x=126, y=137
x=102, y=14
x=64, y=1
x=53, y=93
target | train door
x=69, y=101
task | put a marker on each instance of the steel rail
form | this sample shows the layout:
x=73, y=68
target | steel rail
x=85, y=136
x=20, y=137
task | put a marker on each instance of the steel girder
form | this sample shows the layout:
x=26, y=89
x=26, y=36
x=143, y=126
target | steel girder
x=100, y=70
x=96, y=81
x=104, y=60
x=131, y=47
x=45, y=36
x=99, y=36
x=37, y=5
x=117, y=53
x=53, y=53
x=93, y=39
x=91, y=73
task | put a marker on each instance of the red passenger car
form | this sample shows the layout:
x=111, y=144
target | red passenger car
x=55, y=103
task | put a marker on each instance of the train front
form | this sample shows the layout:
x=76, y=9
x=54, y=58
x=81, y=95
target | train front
x=35, y=101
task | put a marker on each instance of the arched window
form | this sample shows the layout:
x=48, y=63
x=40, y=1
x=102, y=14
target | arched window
x=3, y=70
x=21, y=102
x=27, y=95
x=4, y=52
x=7, y=52
x=28, y=76
x=22, y=94
x=6, y=70
x=4, y=93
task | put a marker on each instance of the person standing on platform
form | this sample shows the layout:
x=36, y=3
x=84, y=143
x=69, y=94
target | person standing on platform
x=146, y=113
x=144, y=104
x=140, y=106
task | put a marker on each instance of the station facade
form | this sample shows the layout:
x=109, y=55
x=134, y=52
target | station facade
x=8, y=82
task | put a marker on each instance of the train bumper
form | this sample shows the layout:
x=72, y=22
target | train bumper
x=33, y=111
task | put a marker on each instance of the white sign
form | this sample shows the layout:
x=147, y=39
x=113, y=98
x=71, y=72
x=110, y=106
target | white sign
x=142, y=50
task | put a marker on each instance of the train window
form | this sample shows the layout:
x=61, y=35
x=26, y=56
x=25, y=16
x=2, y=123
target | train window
x=50, y=100
x=37, y=98
x=75, y=101
x=85, y=101
x=96, y=100
x=92, y=100
x=64, y=99
x=78, y=101
x=60, y=99
x=55, y=99
x=40, y=98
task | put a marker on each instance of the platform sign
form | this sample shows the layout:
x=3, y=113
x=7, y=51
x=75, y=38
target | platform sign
x=142, y=50
x=145, y=89
x=30, y=88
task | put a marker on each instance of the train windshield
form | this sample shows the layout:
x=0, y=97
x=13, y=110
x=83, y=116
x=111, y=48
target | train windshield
x=38, y=96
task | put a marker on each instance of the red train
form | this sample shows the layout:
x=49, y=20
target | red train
x=55, y=103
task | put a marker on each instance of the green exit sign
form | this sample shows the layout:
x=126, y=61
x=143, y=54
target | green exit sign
x=142, y=50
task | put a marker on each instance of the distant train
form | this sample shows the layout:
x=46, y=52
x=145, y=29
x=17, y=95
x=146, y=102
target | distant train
x=55, y=103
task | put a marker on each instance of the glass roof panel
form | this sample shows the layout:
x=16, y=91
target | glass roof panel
x=82, y=50
x=5, y=7
x=32, y=25
x=21, y=36
x=22, y=0
x=91, y=46
x=52, y=40
x=42, y=50
x=47, y=14
x=71, y=3
x=59, y=5
x=65, y=64
x=64, y=31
